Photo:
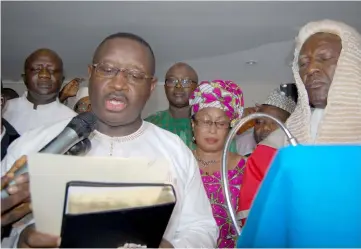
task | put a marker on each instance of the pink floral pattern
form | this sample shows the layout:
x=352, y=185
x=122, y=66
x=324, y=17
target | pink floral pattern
x=213, y=186
x=223, y=94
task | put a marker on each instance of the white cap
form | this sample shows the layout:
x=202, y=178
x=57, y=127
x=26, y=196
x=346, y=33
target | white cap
x=279, y=99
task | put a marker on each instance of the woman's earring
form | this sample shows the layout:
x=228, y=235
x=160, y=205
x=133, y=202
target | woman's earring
x=194, y=139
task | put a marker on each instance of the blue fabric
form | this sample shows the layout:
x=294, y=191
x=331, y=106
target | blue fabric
x=310, y=197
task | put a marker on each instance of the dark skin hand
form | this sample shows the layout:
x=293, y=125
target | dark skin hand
x=317, y=64
x=17, y=205
x=70, y=89
x=30, y=238
x=165, y=244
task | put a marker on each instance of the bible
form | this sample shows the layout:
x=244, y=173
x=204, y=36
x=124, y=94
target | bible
x=115, y=215
x=102, y=201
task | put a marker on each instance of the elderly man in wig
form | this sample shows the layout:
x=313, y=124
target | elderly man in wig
x=328, y=77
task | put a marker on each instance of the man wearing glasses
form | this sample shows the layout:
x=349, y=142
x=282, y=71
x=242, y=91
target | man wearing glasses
x=180, y=81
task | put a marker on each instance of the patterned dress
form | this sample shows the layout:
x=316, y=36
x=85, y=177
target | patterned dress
x=179, y=126
x=213, y=186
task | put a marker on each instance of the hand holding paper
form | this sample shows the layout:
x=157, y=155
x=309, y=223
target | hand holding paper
x=113, y=199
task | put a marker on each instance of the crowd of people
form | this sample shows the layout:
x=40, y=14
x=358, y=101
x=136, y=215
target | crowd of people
x=191, y=133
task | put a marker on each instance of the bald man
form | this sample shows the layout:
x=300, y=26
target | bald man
x=39, y=105
x=180, y=81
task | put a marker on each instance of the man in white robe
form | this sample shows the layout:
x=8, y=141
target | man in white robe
x=39, y=105
x=118, y=97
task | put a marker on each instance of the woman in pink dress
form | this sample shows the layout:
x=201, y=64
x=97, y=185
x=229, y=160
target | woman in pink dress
x=216, y=107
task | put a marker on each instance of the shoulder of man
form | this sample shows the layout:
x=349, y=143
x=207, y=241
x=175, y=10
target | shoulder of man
x=171, y=141
x=32, y=141
x=11, y=105
x=156, y=117
x=67, y=109
x=178, y=152
x=170, y=136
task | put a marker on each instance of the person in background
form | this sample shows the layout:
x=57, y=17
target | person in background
x=244, y=137
x=8, y=132
x=180, y=81
x=245, y=142
x=43, y=76
x=277, y=105
x=121, y=80
x=9, y=93
x=328, y=111
x=215, y=108
x=80, y=102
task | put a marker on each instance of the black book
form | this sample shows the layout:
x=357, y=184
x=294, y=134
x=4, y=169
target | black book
x=111, y=215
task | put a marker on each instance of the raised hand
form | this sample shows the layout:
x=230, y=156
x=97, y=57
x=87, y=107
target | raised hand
x=70, y=89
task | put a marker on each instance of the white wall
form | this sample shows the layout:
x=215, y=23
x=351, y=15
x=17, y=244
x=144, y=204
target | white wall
x=256, y=81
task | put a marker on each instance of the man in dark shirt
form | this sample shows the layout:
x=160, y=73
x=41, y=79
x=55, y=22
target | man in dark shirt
x=8, y=133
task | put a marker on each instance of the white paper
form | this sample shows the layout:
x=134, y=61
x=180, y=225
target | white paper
x=49, y=175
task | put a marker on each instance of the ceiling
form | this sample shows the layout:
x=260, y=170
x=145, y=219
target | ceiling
x=177, y=31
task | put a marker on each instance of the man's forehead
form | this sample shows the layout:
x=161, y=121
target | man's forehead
x=183, y=68
x=118, y=43
x=322, y=38
x=43, y=54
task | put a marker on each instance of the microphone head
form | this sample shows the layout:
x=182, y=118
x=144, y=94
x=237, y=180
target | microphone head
x=83, y=124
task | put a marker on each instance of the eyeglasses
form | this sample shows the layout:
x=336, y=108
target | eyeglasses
x=222, y=125
x=108, y=71
x=185, y=83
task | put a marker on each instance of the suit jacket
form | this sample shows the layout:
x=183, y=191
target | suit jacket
x=10, y=135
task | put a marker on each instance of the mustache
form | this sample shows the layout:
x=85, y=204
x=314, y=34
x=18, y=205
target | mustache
x=118, y=95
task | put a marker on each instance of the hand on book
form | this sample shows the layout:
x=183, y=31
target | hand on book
x=17, y=205
x=30, y=238
x=165, y=244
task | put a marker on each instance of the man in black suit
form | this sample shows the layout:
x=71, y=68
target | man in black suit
x=8, y=133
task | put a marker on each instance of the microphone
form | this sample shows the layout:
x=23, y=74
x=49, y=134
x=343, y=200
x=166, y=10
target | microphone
x=78, y=129
x=226, y=192
x=79, y=149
